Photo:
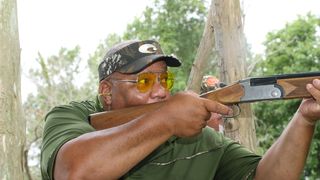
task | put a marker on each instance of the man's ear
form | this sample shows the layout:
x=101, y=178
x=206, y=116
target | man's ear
x=105, y=93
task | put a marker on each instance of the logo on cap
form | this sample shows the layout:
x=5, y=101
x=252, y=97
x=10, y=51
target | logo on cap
x=147, y=48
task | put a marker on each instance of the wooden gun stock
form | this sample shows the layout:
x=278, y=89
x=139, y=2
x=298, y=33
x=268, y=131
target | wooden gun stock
x=288, y=86
x=109, y=119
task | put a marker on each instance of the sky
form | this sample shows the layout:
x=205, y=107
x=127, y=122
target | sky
x=47, y=25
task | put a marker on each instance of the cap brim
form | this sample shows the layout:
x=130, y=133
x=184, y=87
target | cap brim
x=142, y=63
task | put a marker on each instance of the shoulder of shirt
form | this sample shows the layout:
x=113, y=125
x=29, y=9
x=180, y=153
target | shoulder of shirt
x=85, y=107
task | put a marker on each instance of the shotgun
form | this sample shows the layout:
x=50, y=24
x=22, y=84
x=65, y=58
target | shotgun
x=277, y=87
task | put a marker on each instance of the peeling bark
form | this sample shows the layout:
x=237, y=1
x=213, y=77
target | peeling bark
x=202, y=58
x=231, y=49
x=12, y=125
x=224, y=36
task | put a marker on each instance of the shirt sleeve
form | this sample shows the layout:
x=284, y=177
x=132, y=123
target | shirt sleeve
x=62, y=124
x=237, y=162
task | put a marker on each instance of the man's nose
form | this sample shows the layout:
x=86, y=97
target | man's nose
x=158, y=91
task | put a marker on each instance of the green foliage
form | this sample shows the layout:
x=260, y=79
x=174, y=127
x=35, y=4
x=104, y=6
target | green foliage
x=292, y=49
x=57, y=81
x=96, y=58
x=99, y=53
x=178, y=26
x=57, y=75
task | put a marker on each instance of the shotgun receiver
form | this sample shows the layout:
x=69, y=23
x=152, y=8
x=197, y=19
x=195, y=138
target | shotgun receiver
x=277, y=87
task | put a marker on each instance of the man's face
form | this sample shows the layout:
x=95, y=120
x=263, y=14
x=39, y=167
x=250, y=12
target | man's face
x=126, y=94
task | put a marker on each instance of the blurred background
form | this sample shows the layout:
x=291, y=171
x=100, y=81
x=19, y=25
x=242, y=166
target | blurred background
x=62, y=43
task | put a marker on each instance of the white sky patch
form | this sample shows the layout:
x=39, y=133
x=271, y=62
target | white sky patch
x=263, y=16
x=45, y=26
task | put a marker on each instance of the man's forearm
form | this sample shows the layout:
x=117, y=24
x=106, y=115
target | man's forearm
x=286, y=158
x=110, y=153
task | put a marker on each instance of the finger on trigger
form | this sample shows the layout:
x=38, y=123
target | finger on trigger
x=216, y=107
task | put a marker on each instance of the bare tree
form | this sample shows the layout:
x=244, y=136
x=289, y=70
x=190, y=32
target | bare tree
x=231, y=49
x=224, y=33
x=202, y=58
x=12, y=125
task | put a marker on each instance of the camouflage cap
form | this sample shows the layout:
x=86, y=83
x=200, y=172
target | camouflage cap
x=133, y=56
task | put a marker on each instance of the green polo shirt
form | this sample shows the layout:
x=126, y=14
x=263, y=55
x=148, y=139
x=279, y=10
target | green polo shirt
x=209, y=155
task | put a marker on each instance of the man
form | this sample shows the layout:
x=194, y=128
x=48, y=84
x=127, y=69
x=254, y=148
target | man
x=170, y=142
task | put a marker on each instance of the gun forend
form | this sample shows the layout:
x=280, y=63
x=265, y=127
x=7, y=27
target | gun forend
x=286, y=86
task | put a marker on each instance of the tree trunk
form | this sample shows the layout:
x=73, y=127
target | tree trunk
x=231, y=49
x=205, y=49
x=12, y=125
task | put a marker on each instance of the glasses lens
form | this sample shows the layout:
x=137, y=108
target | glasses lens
x=167, y=80
x=145, y=81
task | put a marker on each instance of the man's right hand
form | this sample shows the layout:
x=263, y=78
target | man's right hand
x=186, y=113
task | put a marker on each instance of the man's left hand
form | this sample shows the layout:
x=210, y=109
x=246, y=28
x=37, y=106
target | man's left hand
x=310, y=108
